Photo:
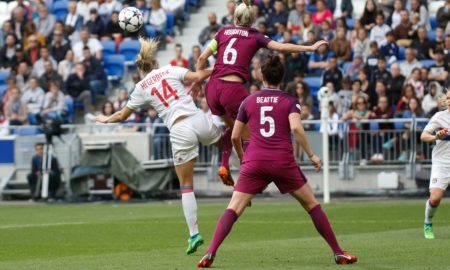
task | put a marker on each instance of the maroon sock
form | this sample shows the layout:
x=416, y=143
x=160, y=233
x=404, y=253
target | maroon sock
x=223, y=228
x=227, y=148
x=323, y=226
x=245, y=144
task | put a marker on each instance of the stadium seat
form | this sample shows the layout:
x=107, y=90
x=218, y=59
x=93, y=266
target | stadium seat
x=109, y=47
x=4, y=76
x=186, y=11
x=433, y=23
x=374, y=126
x=311, y=8
x=170, y=23
x=27, y=131
x=129, y=49
x=346, y=66
x=314, y=84
x=427, y=63
x=350, y=23
x=151, y=31
x=432, y=35
x=194, y=3
x=3, y=88
x=399, y=125
x=401, y=53
x=114, y=66
x=70, y=110
x=60, y=9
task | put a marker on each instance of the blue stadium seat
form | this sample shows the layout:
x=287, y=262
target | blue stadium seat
x=433, y=23
x=114, y=66
x=374, y=126
x=129, y=49
x=60, y=9
x=346, y=66
x=109, y=47
x=311, y=8
x=427, y=63
x=27, y=131
x=70, y=110
x=432, y=35
x=350, y=23
x=399, y=125
x=314, y=84
x=4, y=76
x=193, y=3
x=151, y=31
x=186, y=11
x=170, y=23
x=3, y=88
x=401, y=53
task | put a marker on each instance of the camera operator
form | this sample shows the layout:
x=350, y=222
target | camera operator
x=36, y=173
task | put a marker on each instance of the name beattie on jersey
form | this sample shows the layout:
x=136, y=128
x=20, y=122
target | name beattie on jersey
x=267, y=100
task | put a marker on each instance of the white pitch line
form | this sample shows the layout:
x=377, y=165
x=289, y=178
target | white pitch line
x=18, y=226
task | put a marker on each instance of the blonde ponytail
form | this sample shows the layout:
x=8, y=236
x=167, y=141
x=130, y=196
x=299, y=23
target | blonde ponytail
x=145, y=60
x=244, y=13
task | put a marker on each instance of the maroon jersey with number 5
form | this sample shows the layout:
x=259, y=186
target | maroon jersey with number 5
x=236, y=46
x=267, y=113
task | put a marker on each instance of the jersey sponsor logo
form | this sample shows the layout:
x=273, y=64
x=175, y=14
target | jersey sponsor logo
x=239, y=32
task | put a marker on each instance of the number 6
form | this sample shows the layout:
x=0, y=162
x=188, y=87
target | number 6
x=229, y=50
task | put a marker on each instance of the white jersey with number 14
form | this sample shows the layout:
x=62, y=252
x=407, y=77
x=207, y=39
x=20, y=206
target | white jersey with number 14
x=163, y=89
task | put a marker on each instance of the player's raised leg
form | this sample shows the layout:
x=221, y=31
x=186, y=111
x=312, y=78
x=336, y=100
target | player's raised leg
x=431, y=206
x=236, y=207
x=185, y=173
x=307, y=199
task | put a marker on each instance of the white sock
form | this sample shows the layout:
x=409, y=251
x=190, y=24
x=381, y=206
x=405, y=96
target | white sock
x=429, y=212
x=190, y=210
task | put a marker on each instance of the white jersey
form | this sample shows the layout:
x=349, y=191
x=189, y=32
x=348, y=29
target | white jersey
x=163, y=89
x=441, y=152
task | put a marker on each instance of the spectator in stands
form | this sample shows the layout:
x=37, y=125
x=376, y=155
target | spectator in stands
x=407, y=93
x=322, y=13
x=259, y=17
x=414, y=111
x=23, y=74
x=303, y=95
x=421, y=10
x=439, y=71
x=355, y=67
x=108, y=7
x=438, y=42
x=296, y=17
x=36, y=173
x=4, y=124
x=344, y=97
x=8, y=52
x=295, y=63
x=379, y=31
x=410, y=62
x=45, y=22
x=403, y=31
x=158, y=19
x=179, y=60
x=38, y=67
x=325, y=32
x=307, y=27
x=416, y=83
x=196, y=51
x=390, y=49
x=422, y=45
x=395, y=85
x=84, y=7
x=18, y=22
x=107, y=110
x=31, y=30
x=135, y=79
x=318, y=60
x=54, y=104
x=77, y=87
x=98, y=82
x=333, y=74
x=369, y=14
x=33, y=98
x=381, y=73
x=176, y=7
x=65, y=67
x=333, y=126
x=59, y=46
x=94, y=45
x=443, y=14
x=50, y=75
x=382, y=111
x=5, y=29
x=73, y=19
x=341, y=47
x=306, y=114
x=430, y=101
x=380, y=89
x=279, y=16
x=340, y=9
x=395, y=17
x=366, y=86
x=362, y=44
x=159, y=133
x=113, y=30
x=95, y=24
x=228, y=19
x=15, y=109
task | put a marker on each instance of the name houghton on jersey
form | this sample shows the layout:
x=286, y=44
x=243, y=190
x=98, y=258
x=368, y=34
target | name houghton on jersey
x=267, y=100
x=232, y=32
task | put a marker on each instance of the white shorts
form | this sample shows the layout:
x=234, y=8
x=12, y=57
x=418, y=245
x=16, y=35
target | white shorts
x=186, y=135
x=440, y=177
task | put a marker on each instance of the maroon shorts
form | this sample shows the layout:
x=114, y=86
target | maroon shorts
x=225, y=97
x=256, y=175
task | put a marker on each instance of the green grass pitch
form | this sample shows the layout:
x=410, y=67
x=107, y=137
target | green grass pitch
x=385, y=235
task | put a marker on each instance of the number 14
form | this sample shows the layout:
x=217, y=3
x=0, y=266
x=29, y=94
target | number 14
x=168, y=92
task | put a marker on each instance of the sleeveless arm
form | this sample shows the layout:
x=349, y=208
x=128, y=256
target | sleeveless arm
x=292, y=48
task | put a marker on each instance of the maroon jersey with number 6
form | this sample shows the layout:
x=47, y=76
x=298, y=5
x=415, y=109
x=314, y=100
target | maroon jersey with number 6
x=267, y=113
x=236, y=46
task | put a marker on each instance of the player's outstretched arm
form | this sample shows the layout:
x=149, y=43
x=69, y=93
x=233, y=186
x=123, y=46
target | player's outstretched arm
x=292, y=48
x=236, y=135
x=428, y=137
x=117, y=117
x=203, y=58
x=302, y=140
x=198, y=76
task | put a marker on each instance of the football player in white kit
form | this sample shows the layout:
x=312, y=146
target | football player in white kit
x=163, y=88
x=439, y=125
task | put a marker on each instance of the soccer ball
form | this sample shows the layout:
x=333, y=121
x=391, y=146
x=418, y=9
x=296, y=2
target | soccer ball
x=130, y=19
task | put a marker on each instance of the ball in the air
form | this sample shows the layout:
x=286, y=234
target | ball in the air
x=130, y=19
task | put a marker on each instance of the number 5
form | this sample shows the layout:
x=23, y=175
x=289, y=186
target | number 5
x=229, y=50
x=265, y=119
